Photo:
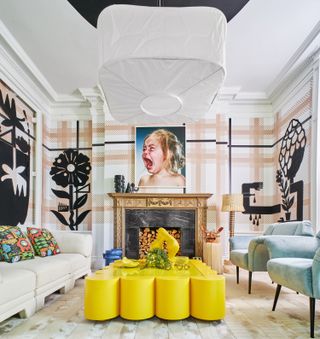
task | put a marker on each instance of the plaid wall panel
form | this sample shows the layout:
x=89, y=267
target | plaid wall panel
x=67, y=153
x=222, y=155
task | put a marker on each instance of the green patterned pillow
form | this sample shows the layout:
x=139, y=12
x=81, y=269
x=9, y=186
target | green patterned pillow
x=43, y=241
x=14, y=246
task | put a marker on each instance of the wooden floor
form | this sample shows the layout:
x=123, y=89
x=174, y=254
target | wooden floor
x=248, y=316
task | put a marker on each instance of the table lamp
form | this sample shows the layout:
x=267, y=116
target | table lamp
x=232, y=203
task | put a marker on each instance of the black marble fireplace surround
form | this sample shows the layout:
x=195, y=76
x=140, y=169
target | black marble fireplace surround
x=183, y=220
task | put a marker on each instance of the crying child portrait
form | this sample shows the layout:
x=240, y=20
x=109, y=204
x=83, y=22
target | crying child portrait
x=162, y=159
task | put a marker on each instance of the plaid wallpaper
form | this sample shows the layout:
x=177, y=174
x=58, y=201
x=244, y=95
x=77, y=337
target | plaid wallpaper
x=248, y=147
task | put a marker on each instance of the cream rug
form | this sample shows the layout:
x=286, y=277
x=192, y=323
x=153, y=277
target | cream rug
x=248, y=316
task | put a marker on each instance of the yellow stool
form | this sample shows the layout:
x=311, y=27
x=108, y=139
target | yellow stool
x=172, y=297
x=208, y=297
x=101, y=298
x=137, y=297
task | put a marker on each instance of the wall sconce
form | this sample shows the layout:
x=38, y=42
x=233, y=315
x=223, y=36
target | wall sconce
x=232, y=203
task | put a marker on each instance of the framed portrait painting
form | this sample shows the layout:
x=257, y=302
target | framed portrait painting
x=160, y=156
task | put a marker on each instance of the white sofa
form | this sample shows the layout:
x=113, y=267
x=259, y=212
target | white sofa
x=25, y=284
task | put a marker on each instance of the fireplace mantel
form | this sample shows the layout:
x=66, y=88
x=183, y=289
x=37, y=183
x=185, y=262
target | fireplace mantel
x=175, y=201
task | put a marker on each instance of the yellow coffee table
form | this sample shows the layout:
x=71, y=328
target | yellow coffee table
x=137, y=294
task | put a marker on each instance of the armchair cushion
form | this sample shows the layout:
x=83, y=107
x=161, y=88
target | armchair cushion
x=240, y=242
x=294, y=273
x=292, y=247
x=239, y=258
x=290, y=228
x=258, y=254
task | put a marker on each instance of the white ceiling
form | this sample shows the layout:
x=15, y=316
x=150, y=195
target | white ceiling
x=262, y=39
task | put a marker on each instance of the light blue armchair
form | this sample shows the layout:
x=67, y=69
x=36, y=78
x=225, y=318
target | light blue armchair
x=251, y=254
x=295, y=264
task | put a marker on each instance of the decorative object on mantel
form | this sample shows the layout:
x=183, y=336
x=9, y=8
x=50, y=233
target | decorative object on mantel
x=232, y=203
x=211, y=236
x=119, y=183
x=182, y=48
x=128, y=189
x=134, y=188
x=131, y=188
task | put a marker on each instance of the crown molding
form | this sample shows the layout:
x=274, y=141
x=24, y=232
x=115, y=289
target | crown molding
x=232, y=102
x=21, y=74
x=299, y=63
x=70, y=107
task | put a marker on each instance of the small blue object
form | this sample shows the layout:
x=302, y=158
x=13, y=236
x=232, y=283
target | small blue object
x=112, y=255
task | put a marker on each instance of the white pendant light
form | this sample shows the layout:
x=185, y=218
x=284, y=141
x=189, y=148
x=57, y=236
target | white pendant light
x=161, y=64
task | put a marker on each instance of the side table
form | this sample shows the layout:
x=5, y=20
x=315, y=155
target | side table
x=212, y=255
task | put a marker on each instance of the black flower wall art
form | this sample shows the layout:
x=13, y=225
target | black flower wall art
x=71, y=170
x=15, y=152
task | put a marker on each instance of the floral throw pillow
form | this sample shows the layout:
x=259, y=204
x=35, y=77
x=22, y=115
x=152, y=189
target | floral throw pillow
x=14, y=246
x=43, y=241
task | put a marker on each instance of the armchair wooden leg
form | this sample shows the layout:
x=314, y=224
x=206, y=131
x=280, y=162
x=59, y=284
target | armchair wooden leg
x=276, y=297
x=250, y=281
x=312, y=303
x=237, y=272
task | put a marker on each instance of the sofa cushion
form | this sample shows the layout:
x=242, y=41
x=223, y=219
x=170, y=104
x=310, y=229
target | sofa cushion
x=15, y=282
x=14, y=246
x=43, y=241
x=74, y=242
x=47, y=269
x=76, y=261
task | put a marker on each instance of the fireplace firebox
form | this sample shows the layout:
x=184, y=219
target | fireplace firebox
x=182, y=220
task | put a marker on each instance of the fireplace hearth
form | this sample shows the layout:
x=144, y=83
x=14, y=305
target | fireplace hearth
x=183, y=212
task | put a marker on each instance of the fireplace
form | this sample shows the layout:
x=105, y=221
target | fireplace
x=184, y=213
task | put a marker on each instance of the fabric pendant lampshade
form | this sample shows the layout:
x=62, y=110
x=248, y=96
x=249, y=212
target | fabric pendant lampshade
x=232, y=203
x=161, y=64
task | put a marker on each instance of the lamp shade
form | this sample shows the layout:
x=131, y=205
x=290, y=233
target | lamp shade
x=161, y=64
x=232, y=203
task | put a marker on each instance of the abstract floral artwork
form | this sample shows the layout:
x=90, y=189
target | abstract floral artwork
x=15, y=150
x=71, y=169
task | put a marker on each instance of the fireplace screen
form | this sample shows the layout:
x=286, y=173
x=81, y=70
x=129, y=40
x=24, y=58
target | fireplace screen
x=148, y=234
